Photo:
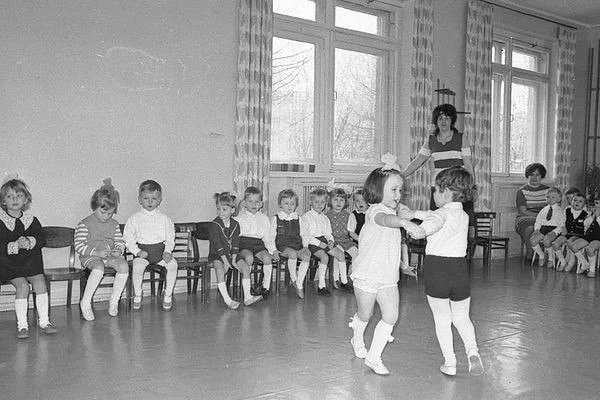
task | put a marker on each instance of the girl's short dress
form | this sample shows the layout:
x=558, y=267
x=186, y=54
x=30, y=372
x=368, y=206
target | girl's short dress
x=24, y=263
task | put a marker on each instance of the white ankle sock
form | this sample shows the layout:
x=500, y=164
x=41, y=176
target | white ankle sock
x=380, y=338
x=358, y=327
x=21, y=312
x=268, y=273
x=321, y=271
x=291, y=265
x=343, y=267
x=90, y=287
x=246, y=287
x=41, y=302
x=302, y=270
x=223, y=290
x=118, y=286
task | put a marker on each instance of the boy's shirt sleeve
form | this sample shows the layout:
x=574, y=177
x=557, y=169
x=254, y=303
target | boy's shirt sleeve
x=81, y=240
x=129, y=235
x=540, y=218
x=169, y=235
x=304, y=234
x=351, y=225
x=433, y=222
x=273, y=228
x=268, y=237
x=328, y=231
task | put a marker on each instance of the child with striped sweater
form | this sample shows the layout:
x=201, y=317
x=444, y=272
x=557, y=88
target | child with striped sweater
x=99, y=243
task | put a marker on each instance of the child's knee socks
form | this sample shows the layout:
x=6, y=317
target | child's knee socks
x=291, y=265
x=118, y=286
x=90, y=287
x=382, y=333
x=21, y=313
x=302, y=270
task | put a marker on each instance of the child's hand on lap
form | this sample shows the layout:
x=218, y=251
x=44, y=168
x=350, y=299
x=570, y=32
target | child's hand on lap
x=143, y=254
x=167, y=257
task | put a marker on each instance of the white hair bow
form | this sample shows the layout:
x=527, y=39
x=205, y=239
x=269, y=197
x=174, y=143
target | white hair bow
x=331, y=185
x=9, y=176
x=389, y=162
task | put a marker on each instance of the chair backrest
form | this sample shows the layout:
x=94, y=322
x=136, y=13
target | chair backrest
x=58, y=237
x=202, y=230
x=484, y=224
x=185, y=245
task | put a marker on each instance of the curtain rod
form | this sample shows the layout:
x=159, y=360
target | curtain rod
x=529, y=14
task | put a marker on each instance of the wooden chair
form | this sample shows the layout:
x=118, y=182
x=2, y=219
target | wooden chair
x=484, y=237
x=62, y=237
x=188, y=259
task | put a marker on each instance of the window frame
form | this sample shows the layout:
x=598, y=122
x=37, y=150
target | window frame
x=522, y=40
x=327, y=37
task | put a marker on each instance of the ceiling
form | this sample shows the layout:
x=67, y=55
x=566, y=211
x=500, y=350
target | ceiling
x=583, y=12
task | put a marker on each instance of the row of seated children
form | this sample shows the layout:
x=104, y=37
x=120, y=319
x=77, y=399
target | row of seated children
x=574, y=229
x=236, y=240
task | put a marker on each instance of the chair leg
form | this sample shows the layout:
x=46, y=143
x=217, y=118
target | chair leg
x=48, y=290
x=69, y=293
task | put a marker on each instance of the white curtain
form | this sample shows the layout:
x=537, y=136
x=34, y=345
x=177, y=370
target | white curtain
x=478, y=100
x=564, y=104
x=253, y=123
x=420, y=98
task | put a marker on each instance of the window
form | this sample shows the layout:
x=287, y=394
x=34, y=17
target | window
x=521, y=125
x=333, y=83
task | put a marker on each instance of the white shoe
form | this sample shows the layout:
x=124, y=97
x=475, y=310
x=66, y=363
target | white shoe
x=113, y=309
x=86, y=312
x=233, y=305
x=377, y=367
x=448, y=370
x=475, y=364
x=252, y=300
x=359, y=351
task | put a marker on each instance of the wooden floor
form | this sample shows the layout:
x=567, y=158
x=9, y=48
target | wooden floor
x=538, y=332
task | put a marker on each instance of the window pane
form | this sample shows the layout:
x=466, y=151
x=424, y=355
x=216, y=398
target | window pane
x=360, y=21
x=499, y=53
x=304, y=9
x=358, y=91
x=530, y=60
x=292, y=124
x=527, y=126
x=499, y=133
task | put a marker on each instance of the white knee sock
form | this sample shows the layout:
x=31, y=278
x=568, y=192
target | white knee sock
x=302, y=270
x=223, y=290
x=291, y=265
x=321, y=271
x=560, y=255
x=442, y=317
x=358, y=327
x=538, y=249
x=246, y=287
x=137, y=275
x=268, y=273
x=41, y=302
x=382, y=333
x=118, y=286
x=336, y=270
x=343, y=267
x=21, y=312
x=90, y=287
x=463, y=324
x=171, y=267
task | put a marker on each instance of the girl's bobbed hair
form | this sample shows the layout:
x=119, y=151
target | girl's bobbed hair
x=287, y=194
x=225, y=198
x=106, y=197
x=373, y=188
x=459, y=181
x=18, y=186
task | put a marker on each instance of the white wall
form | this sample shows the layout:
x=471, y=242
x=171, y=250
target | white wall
x=131, y=90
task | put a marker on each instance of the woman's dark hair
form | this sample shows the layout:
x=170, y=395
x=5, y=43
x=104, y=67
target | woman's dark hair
x=531, y=168
x=459, y=181
x=444, y=109
x=373, y=187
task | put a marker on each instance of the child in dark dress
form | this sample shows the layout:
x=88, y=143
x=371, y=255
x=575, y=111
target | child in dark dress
x=21, y=264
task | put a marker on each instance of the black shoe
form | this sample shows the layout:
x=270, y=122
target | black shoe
x=265, y=293
x=323, y=292
x=256, y=291
x=347, y=287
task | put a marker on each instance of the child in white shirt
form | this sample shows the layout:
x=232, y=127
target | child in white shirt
x=150, y=236
x=255, y=236
x=549, y=223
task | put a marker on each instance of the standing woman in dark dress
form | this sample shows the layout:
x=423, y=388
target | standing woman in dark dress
x=21, y=243
x=446, y=147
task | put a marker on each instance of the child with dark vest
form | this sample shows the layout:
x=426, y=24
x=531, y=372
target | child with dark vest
x=290, y=239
